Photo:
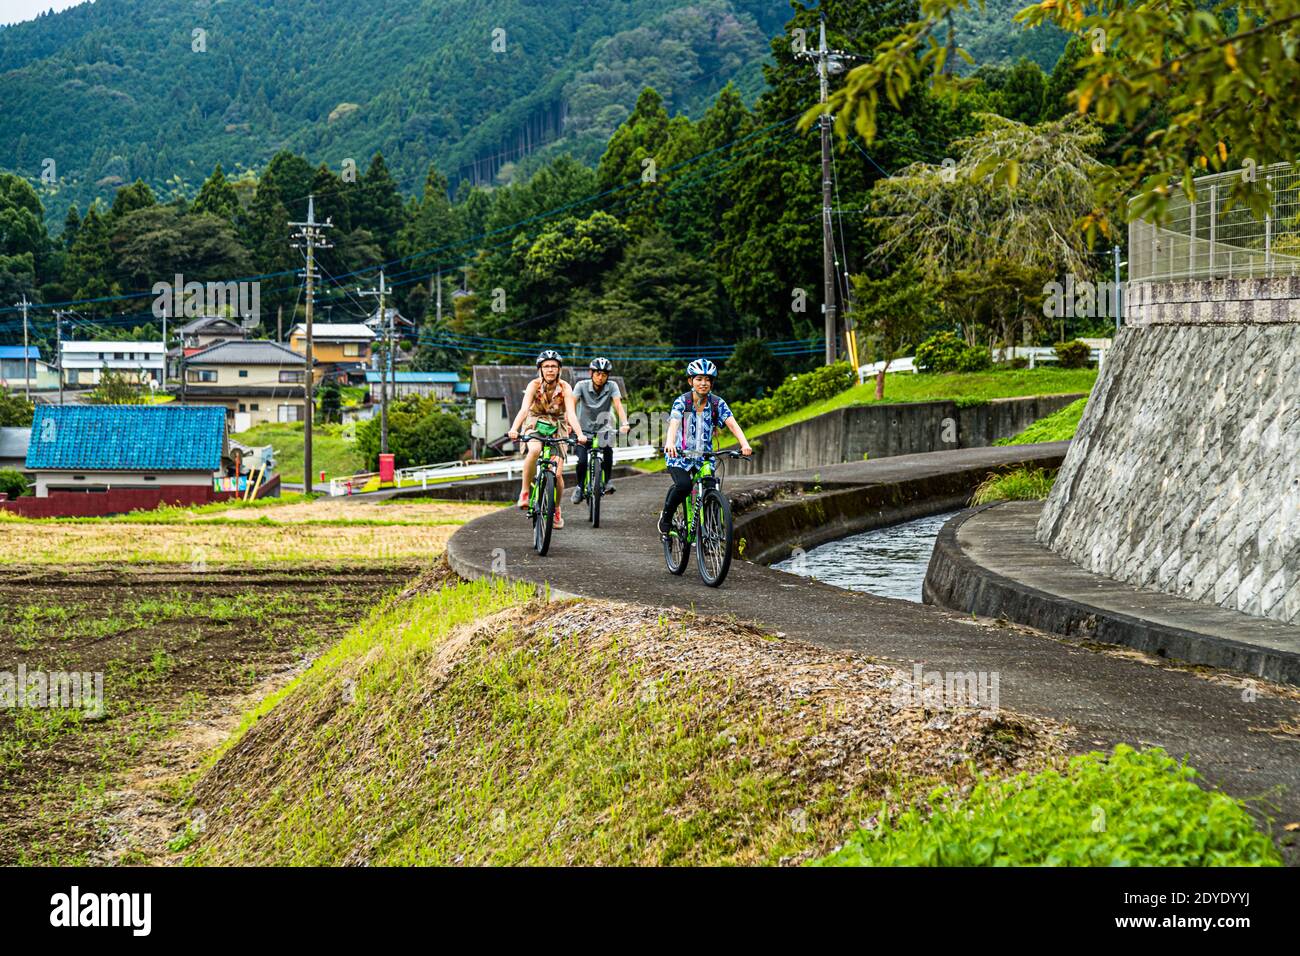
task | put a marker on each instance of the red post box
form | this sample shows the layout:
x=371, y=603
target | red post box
x=386, y=468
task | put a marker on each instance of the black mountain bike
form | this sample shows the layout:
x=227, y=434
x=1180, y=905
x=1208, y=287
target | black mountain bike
x=541, y=497
x=703, y=520
x=593, y=488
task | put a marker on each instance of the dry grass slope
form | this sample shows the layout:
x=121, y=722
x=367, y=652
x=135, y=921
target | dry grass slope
x=478, y=724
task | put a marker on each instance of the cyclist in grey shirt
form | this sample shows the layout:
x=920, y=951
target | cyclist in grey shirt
x=593, y=398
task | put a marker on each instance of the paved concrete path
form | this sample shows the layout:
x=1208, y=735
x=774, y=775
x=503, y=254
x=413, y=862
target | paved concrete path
x=1003, y=555
x=1106, y=697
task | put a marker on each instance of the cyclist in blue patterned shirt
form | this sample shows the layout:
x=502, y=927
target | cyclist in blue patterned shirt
x=691, y=428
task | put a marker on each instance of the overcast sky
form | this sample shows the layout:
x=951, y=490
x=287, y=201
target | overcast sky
x=15, y=11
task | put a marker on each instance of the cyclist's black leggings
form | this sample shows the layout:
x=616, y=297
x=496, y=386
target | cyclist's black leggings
x=606, y=458
x=680, y=491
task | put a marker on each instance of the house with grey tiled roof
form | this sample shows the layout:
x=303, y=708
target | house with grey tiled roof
x=497, y=392
x=256, y=381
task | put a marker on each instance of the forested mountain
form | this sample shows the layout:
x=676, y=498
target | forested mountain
x=992, y=38
x=157, y=90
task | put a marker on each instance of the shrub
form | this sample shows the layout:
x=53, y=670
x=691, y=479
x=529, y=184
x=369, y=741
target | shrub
x=1022, y=484
x=1018, y=361
x=419, y=433
x=797, y=391
x=1125, y=809
x=1074, y=354
x=947, y=352
x=12, y=482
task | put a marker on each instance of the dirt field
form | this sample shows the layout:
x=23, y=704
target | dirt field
x=323, y=532
x=178, y=651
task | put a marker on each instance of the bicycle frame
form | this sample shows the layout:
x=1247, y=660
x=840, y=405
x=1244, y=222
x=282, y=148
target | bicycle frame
x=706, y=471
x=593, y=446
x=545, y=463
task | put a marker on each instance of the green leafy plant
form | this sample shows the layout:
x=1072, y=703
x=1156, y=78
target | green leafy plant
x=1128, y=808
x=12, y=482
x=947, y=352
x=797, y=391
x=1073, y=354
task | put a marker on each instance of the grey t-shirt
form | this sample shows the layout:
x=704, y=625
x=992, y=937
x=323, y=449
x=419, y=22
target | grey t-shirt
x=595, y=409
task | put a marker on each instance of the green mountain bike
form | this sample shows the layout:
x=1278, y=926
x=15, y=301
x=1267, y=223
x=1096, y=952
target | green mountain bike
x=704, y=521
x=541, y=496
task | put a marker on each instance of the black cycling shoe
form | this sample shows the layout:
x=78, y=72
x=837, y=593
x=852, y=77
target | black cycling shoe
x=665, y=524
x=609, y=489
x=577, y=495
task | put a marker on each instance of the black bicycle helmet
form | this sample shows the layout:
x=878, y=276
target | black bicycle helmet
x=601, y=365
x=548, y=355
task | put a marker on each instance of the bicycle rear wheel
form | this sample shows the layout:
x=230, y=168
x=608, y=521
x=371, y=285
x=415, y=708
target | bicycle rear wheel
x=714, y=538
x=677, y=546
x=544, y=516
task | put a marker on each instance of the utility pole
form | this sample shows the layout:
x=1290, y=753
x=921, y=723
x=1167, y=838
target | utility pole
x=1119, y=293
x=439, y=298
x=310, y=236
x=828, y=61
x=27, y=365
x=58, y=348
x=386, y=324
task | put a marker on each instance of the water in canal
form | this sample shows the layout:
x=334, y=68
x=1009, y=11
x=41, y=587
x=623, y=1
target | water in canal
x=890, y=562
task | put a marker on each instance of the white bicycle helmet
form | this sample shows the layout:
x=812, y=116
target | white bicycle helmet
x=702, y=367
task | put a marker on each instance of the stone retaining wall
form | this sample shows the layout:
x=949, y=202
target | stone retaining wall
x=1185, y=472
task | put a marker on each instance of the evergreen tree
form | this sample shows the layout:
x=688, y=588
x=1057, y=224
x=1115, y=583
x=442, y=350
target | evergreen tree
x=130, y=198
x=71, y=224
x=217, y=197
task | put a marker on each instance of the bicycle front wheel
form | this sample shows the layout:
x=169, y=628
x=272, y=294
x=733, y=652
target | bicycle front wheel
x=677, y=546
x=594, y=494
x=714, y=538
x=544, y=516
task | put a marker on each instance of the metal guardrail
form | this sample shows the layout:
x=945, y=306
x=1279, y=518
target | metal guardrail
x=1204, y=239
x=425, y=475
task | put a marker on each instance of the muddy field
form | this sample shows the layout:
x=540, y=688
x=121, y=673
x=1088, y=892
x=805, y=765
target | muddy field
x=180, y=651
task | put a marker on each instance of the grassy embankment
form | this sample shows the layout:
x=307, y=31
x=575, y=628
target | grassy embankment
x=330, y=451
x=1031, y=484
x=965, y=388
x=476, y=724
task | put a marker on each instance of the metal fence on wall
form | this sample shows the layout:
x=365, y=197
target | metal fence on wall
x=1205, y=239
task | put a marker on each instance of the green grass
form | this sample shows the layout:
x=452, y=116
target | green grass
x=964, y=388
x=1058, y=426
x=1125, y=809
x=331, y=452
x=1020, y=484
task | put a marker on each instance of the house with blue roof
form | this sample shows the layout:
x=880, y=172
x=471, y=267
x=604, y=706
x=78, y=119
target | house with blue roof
x=444, y=386
x=95, y=448
x=21, y=370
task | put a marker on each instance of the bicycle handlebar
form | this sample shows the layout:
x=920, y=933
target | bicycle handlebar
x=548, y=439
x=724, y=454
